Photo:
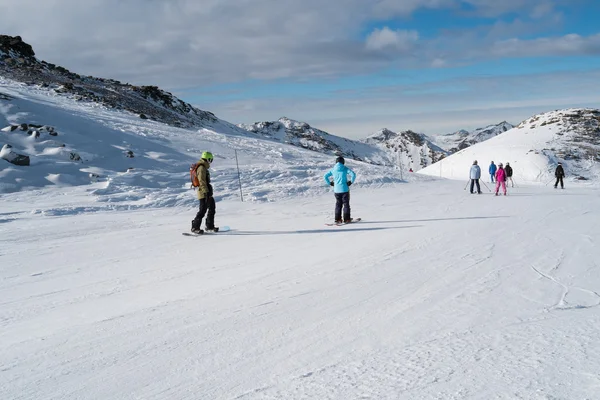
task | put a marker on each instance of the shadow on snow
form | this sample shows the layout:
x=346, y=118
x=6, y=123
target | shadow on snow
x=312, y=231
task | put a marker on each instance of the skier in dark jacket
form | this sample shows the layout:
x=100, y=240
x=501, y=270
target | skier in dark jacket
x=509, y=173
x=559, y=173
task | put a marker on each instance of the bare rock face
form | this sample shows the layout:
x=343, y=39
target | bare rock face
x=12, y=157
x=18, y=62
x=16, y=46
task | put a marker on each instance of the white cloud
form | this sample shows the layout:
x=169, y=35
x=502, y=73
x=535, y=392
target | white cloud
x=571, y=44
x=387, y=39
x=183, y=43
x=433, y=108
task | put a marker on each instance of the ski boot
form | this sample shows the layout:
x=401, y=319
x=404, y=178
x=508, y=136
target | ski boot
x=211, y=229
x=196, y=230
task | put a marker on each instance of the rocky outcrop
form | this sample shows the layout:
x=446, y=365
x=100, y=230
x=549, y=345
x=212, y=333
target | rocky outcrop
x=577, y=131
x=12, y=157
x=18, y=62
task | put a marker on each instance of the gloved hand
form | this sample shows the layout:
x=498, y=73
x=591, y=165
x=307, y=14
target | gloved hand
x=349, y=183
x=330, y=183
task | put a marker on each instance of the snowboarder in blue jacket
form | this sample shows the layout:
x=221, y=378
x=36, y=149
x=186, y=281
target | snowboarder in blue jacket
x=493, y=170
x=341, y=187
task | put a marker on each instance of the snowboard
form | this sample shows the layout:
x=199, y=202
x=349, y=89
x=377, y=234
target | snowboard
x=341, y=224
x=221, y=229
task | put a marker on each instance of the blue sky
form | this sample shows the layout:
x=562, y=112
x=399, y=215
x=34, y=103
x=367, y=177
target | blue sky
x=350, y=67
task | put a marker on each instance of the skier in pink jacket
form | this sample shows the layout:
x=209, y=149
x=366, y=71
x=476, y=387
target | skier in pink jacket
x=500, y=179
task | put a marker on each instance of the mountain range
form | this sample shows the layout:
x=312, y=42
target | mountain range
x=406, y=149
x=573, y=137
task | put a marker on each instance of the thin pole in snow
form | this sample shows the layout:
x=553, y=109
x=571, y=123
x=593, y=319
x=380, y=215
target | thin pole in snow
x=239, y=177
x=400, y=163
x=486, y=186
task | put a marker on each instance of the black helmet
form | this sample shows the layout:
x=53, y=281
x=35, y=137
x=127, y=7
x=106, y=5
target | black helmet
x=340, y=159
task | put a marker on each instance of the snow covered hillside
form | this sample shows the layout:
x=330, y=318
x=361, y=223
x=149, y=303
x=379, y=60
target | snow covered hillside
x=436, y=294
x=123, y=158
x=462, y=139
x=303, y=135
x=402, y=150
x=534, y=148
x=408, y=149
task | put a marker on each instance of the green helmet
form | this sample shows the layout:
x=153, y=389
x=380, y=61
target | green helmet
x=207, y=155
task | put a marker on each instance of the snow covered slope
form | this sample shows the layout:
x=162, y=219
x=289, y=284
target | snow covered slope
x=436, y=294
x=303, y=135
x=534, y=147
x=462, y=139
x=409, y=149
x=144, y=162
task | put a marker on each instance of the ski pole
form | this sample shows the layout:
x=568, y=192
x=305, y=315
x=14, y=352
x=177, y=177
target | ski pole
x=486, y=186
x=467, y=184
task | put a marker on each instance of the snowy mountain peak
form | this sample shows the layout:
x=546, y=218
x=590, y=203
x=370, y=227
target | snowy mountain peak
x=578, y=119
x=382, y=135
x=411, y=149
x=462, y=139
x=301, y=134
x=295, y=125
x=535, y=146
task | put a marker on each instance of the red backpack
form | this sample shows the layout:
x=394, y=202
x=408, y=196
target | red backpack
x=193, y=175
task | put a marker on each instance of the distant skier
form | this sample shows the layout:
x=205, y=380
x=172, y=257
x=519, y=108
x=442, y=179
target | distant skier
x=475, y=175
x=341, y=188
x=493, y=170
x=410, y=170
x=509, y=173
x=204, y=192
x=500, y=179
x=559, y=173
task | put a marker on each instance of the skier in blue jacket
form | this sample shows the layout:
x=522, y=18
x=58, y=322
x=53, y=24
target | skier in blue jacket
x=341, y=188
x=493, y=170
x=475, y=175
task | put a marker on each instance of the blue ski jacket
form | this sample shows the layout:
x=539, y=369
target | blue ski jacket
x=493, y=169
x=340, y=178
x=475, y=172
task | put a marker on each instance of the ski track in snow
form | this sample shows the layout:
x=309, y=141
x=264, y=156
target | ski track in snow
x=436, y=294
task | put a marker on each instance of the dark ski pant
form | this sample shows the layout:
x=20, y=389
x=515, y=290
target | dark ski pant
x=342, y=200
x=559, y=179
x=206, y=205
x=473, y=183
x=492, y=177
